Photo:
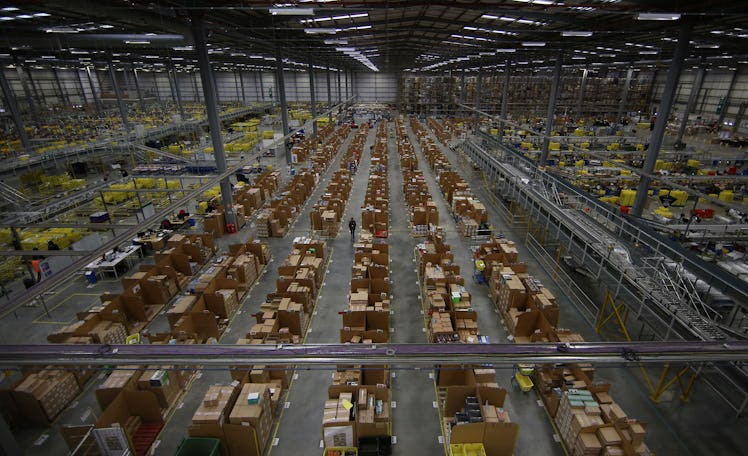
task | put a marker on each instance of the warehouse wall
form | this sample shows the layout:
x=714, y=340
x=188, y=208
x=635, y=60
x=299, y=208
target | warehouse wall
x=376, y=87
x=713, y=93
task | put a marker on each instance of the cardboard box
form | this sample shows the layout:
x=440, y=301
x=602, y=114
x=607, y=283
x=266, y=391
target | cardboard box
x=250, y=413
x=215, y=406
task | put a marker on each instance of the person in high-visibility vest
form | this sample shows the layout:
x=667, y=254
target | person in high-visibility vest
x=37, y=269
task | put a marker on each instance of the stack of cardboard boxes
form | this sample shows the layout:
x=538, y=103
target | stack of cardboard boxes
x=41, y=396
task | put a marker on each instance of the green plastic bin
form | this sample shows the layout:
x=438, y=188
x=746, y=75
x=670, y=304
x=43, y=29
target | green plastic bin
x=199, y=446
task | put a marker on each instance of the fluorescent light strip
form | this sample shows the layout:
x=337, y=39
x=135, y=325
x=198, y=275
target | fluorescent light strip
x=320, y=31
x=533, y=43
x=658, y=16
x=571, y=33
x=291, y=11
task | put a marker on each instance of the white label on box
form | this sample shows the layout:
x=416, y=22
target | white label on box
x=275, y=441
x=435, y=404
x=287, y=405
x=42, y=438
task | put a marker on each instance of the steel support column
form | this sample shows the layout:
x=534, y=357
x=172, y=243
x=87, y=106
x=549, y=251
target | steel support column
x=39, y=97
x=27, y=93
x=668, y=95
x=12, y=105
x=211, y=107
x=260, y=86
x=478, y=94
x=241, y=84
x=726, y=101
x=197, y=89
x=692, y=97
x=551, y=109
x=504, y=100
x=97, y=103
x=624, y=95
x=84, y=100
x=329, y=95
x=118, y=94
x=281, y=88
x=582, y=88
x=63, y=95
x=178, y=93
x=340, y=89
x=313, y=99
x=136, y=78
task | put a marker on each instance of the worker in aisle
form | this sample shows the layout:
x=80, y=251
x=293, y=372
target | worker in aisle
x=352, y=227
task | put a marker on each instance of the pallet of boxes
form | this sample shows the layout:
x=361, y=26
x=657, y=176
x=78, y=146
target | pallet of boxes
x=240, y=416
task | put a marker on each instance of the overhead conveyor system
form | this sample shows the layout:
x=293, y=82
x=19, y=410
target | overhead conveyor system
x=400, y=355
x=662, y=298
x=124, y=139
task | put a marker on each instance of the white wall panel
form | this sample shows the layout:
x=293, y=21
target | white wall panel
x=376, y=87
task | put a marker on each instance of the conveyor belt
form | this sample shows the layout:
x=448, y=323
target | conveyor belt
x=652, y=283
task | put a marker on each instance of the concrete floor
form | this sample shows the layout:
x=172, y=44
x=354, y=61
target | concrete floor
x=703, y=426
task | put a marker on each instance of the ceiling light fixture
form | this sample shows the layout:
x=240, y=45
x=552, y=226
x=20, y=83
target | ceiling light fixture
x=533, y=43
x=571, y=33
x=292, y=11
x=320, y=31
x=137, y=42
x=658, y=16
x=10, y=8
x=506, y=50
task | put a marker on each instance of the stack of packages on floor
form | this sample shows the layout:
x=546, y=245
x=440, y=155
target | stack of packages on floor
x=357, y=413
x=423, y=214
x=254, y=396
x=375, y=214
x=589, y=420
x=243, y=415
x=199, y=291
x=468, y=211
x=470, y=401
x=286, y=205
x=326, y=215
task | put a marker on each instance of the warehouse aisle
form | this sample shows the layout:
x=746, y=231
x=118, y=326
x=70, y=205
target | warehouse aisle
x=299, y=429
x=536, y=432
x=244, y=318
x=415, y=421
x=627, y=386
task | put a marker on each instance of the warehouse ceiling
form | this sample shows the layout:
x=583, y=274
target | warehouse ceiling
x=372, y=35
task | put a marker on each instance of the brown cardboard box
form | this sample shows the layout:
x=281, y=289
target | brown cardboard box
x=118, y=380
x=215, y=405
x=250, y=413
x=608, y=436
